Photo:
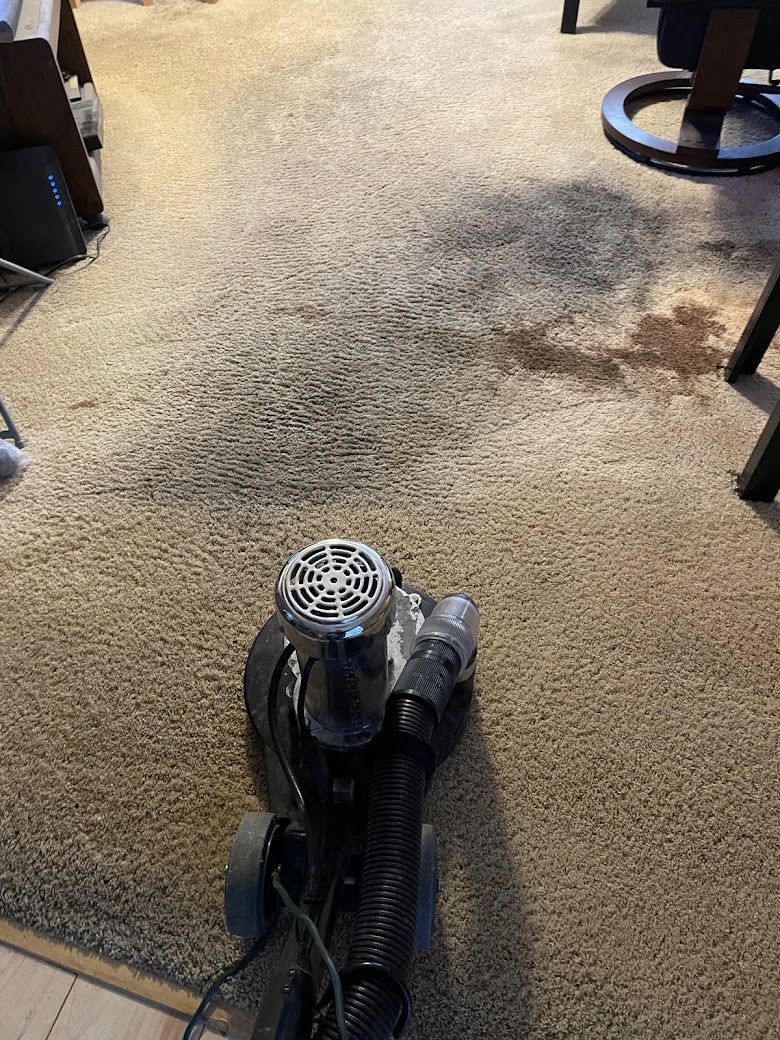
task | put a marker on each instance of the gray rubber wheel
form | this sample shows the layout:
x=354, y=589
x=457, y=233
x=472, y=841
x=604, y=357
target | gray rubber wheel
x=429, y=890
x=251, y=904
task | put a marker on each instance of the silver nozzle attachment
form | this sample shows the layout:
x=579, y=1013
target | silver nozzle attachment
x=455, y=620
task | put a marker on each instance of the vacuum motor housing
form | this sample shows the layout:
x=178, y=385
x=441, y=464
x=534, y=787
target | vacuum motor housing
x=336, y=603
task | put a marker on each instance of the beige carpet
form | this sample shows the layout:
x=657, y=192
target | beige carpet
x=375, y=271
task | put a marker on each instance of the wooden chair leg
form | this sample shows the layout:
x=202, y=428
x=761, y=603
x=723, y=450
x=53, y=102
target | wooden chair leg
x=723, y=57
x=759, y=481
x=571, y=9
x=759, y=332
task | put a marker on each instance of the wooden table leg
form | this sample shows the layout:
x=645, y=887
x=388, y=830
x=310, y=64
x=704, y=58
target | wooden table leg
x=759, y=481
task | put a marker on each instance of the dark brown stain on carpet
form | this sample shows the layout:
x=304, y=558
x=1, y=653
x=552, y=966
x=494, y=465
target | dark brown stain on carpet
x=306, y=311
x=536, y=349
x=684, y=342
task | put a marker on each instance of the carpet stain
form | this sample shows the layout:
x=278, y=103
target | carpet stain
x=684, y=342
x=537, y=348
x=759, y=253
x=90, y=402
x=723, y=247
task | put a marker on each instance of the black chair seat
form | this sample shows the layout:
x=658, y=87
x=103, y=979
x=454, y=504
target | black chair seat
x=682, y=28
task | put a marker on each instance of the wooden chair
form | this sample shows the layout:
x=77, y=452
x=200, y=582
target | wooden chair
x=717, y=39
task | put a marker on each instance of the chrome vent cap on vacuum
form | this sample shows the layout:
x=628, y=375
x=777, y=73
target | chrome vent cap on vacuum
x=335, y=587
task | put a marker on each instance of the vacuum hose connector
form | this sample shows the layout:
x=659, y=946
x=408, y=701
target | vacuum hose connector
x=375, y=982
x=454, y=621
x=443, y=652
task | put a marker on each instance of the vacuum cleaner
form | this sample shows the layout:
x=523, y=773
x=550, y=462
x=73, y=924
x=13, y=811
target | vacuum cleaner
x=359, y=686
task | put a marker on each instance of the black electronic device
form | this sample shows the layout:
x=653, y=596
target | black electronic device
x=38, y=224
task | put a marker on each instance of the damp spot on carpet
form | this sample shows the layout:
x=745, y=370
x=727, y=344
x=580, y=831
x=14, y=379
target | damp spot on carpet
x=361, y=340
x=576, y=241
x=685, y=342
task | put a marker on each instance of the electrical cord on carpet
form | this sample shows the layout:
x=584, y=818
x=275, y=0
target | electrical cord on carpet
x=287, y=766
x=238, y=966
x=90, y=258
x=322, y=950
x=216, y=985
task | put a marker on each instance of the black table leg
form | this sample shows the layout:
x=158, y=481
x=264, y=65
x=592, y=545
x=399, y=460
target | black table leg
x=760, y=479
x=571, y=8
x=759, y=332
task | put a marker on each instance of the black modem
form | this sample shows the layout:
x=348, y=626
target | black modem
x=38, y=224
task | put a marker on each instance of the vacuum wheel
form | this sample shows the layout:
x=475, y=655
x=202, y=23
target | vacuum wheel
x=251, y=903
x=429, y=890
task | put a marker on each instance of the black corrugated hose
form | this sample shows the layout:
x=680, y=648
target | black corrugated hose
x=389, y=893
x=380, y=957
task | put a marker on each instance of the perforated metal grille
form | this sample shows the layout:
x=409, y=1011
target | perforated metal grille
x=335, y=582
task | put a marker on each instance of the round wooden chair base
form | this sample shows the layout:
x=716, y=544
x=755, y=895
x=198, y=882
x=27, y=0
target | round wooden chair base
x=646, y=147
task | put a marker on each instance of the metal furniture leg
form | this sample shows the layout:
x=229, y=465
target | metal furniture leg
x=12, y=431
x=38, y=279
x=759, y=481
x=759, y=332
x=571, y=9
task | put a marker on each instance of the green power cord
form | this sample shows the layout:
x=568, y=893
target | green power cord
x=311, y=927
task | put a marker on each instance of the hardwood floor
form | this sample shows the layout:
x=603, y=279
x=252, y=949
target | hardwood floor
x=31, y=996
x=39, y=1001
